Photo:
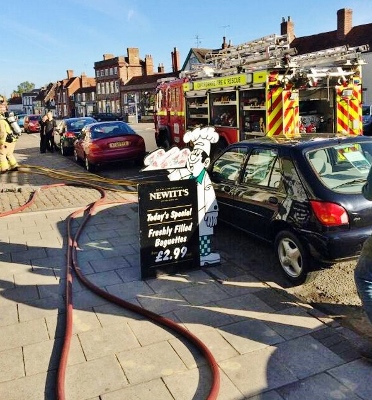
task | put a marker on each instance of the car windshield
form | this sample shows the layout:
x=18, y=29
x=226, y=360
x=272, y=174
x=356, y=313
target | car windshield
x=78, y=124
x=342, y=168
x=110, y=130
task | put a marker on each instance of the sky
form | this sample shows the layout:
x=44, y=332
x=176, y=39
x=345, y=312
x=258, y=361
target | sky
x=42, y=40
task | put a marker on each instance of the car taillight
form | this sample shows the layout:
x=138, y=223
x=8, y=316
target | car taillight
x=94, y=147
x=329, y=214
x=70, y=134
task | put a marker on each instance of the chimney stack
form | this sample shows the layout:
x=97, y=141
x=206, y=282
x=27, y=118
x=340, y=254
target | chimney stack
x=149, y=65
x=133, y=56
x=224, y=44
x=108, y=56
x=175, y=60
x=344, y=22
x=287, y=28
x=70, y=73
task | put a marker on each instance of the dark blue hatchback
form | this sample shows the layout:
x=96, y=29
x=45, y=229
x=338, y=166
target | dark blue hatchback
x=302, y=194
x=67, y=131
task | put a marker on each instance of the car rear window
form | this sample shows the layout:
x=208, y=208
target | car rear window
x=110, y=130
x=34, y=118
x=79, y=124
x=344, y=167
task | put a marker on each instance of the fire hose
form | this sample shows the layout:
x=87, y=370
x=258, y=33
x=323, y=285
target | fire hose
x=72, y=266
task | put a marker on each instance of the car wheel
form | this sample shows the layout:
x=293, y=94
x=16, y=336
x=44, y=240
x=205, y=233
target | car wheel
x=165, y=144
x=292, y=256
x=88, y=165
x=63, y=150
x=76, y=158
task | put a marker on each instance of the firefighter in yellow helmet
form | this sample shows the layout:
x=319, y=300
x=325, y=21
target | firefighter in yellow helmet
x=7, y=141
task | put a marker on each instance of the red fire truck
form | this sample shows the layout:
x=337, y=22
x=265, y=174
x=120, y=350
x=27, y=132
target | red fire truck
x=261, y=88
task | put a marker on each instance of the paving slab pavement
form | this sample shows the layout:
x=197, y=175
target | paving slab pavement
x=267, y=344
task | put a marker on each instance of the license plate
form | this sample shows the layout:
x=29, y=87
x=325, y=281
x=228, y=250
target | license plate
x=119, y=144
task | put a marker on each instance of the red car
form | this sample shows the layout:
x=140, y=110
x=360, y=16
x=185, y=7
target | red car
x=105, y=142
x=32, y=123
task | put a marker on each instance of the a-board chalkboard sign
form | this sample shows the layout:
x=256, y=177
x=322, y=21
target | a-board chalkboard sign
x=169, y=234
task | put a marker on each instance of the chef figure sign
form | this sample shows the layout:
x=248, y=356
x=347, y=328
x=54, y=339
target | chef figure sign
x=192, y=164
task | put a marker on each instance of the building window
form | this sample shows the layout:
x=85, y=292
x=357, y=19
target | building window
x=115, y=70
x=116, y=86
x=106, y=72
x=111, y=71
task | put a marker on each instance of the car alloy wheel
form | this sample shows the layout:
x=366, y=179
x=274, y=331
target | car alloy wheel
x=292, y=257
x=76, y=158
x=88, y=166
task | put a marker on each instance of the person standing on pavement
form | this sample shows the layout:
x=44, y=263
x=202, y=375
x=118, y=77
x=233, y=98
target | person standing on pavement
x=43, y=139
x=7, y=141
x=49, y=127
x=363, y=274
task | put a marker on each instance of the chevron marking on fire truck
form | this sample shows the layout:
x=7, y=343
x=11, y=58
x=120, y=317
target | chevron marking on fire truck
x=274, y=107
x=349, y=110
x=291, y=113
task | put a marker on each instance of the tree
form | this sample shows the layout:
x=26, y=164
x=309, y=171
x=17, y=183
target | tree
x=25, y=87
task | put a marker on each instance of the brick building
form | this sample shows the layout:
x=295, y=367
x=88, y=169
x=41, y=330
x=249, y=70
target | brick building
x=65, y=93
x=114, y=72
x=138, y=94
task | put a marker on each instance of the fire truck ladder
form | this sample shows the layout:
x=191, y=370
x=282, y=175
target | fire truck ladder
x=335, y=56
x=273, y=51
x=267, y=49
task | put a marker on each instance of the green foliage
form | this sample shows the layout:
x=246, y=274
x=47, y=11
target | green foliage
x=25, y=87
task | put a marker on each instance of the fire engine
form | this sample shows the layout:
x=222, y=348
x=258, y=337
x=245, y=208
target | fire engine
x=263, y=87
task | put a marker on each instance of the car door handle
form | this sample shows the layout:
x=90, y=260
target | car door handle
x=273, y=200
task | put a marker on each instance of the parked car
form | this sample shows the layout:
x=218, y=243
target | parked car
x=302, y=195
x=67, y=131
x=105, y=142
x=21, y=120
x=107, y=117
x=31, y=123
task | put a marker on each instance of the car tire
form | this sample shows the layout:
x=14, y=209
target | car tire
x=63, y=150
x=76, y=158
x=292, y=256
x=165, y=144
x=88, y=165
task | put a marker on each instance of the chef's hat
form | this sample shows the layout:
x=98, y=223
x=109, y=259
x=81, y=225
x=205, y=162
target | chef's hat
x=202, y=138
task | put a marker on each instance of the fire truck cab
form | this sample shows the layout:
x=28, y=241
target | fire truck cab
x=262, y=88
